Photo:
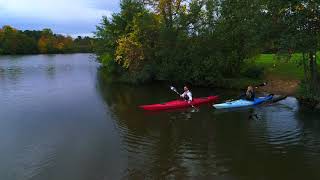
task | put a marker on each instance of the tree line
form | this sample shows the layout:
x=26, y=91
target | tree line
x=13, y=41
x=206, y=41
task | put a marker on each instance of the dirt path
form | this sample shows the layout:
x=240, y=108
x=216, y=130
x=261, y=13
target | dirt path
x=281, y=86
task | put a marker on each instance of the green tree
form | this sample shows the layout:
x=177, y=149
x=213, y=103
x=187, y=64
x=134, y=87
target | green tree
x=205, y=41
x=111, y=32
x=85, y=44
x=9, y=40
x=1, y=41
x=180, y=40
x=297, y=25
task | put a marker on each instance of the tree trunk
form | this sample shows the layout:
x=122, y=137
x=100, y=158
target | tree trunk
x=170, y=15
x=305, y=68
x=314, y=71
x=316, y=74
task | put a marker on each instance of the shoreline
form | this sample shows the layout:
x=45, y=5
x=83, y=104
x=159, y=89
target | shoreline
x=289, y=87
x=281, y=87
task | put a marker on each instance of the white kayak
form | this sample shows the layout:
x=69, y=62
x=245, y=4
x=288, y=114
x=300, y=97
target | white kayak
x=242, y=103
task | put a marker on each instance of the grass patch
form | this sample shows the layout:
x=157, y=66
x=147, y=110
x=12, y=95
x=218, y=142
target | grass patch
x=284, y=69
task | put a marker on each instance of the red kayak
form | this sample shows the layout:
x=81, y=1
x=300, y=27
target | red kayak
x=177, y=104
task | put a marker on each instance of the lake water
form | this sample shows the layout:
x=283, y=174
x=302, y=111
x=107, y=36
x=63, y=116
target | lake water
x=60, y=119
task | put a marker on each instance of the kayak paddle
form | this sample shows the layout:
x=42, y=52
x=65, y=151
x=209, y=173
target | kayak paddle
x=175, y=90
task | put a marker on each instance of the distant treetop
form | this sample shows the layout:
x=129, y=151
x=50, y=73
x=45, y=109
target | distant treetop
x=14, y=41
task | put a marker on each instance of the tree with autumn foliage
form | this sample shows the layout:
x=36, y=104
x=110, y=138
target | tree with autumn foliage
x=207, y=42
x=199, y=41
x=13, y=41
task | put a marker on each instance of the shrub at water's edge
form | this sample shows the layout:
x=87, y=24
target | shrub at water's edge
x=308, y=97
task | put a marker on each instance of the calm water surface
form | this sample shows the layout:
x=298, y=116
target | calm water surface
x=61, y=120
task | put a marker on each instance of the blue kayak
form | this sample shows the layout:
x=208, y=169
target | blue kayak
x=242, y=103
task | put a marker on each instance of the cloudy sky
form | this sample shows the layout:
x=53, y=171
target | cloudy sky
x=72, y=17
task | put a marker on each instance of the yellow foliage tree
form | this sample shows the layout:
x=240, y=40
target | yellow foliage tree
x=129, y=53
x=42, y=45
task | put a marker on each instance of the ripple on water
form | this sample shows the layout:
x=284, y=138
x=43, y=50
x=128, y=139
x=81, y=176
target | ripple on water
x=203, y=155
x=153, y=154
x=286, y=138
x=277, y=126
x=34, y=159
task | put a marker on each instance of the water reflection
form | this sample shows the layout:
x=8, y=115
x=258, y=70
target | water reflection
x=53, y=124
x=13, y=73
x=61, y=119
x=51, y=71
x=264, y=142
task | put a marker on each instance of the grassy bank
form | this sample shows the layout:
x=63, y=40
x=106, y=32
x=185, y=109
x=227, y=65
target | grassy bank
x=285, y=76
x=282, y=69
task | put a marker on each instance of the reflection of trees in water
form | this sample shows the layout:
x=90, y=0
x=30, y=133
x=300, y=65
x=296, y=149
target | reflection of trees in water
x=207, y=144
x=173, y=144
x=310, y=139
x=162, y=144
x=2, y=73
x=13, y=73
x=51, y=71
x=153, y=142
x=279, y=141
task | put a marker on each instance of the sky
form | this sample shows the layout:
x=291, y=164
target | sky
x=69, y=17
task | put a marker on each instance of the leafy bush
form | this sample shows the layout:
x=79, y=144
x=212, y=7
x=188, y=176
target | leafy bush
x=110, y=66
x=306, y=92
x=254, y=72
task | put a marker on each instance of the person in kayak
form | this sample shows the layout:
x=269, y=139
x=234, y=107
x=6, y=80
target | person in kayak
x=249, y=95
x=187, y=95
